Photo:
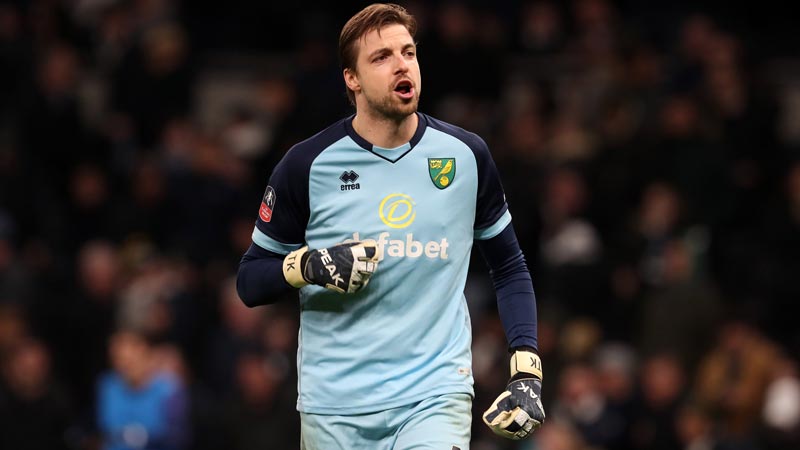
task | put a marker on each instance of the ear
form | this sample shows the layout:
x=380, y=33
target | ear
x=351, y=80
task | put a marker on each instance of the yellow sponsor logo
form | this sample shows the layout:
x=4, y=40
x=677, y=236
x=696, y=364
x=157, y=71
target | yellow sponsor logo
x=397, y=210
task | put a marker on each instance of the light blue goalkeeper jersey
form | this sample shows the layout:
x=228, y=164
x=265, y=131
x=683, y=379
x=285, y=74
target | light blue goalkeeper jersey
x=406, y=336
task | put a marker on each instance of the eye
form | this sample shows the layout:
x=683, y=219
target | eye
x=410, y=53
x=380, y=58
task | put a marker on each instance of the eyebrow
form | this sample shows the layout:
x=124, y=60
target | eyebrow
x=388, y=50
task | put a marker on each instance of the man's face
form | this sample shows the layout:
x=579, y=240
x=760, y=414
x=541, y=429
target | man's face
x=386, y=80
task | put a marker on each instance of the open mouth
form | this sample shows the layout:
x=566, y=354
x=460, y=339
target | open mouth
x=404, y=88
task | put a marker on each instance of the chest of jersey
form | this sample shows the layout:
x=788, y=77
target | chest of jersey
x=425, y=199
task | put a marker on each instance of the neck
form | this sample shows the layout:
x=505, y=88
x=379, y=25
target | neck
x=385, y=132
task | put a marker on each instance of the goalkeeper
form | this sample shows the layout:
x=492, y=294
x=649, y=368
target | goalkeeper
x=374, y=219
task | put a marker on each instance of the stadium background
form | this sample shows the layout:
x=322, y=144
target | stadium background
x=649, y=152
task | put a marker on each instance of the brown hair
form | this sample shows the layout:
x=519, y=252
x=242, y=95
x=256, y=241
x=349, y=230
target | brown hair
x=373, y=17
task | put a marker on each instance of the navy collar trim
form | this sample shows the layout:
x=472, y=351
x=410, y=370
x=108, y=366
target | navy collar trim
x=387, y=154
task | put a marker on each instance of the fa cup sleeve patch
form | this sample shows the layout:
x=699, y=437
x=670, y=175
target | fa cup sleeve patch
x=267, y=205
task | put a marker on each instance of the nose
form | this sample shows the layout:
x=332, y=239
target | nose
x=401, y=65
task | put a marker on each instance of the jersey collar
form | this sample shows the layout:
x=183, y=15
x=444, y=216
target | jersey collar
x=393, y=154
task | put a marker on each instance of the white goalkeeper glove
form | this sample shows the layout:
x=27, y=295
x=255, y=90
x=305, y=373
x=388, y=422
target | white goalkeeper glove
x=518, y=411
x=344, y=268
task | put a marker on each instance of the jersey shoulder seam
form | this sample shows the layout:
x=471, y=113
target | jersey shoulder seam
x=470, y=139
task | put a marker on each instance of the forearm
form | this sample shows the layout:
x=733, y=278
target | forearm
x=260, y=279
x=516, y=301
x=344, y=268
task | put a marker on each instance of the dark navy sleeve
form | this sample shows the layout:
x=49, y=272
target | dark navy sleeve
x=280, y=229
x=283, y=213
x=516, y=301
x=284, y=210
x=260, y=279
x=491, y=201
x=282, y=220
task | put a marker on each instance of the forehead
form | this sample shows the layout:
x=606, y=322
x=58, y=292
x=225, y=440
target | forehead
x=390, y=36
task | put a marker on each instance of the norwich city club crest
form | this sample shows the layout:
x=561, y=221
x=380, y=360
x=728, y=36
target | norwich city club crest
x=443, y=171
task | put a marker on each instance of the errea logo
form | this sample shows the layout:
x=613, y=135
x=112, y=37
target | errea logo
x=349, y=178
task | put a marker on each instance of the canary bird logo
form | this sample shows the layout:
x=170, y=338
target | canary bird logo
x=442, y=171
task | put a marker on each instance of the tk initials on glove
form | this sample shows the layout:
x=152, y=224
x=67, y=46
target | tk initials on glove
x=344, y=268
x=518, y=410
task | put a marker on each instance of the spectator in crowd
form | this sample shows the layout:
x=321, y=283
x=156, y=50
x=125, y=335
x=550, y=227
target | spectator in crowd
x=253, y=417
x=663, y=387
x=781, y=413
x=732, y=381
x=581, y=403
x=239, y=331
x=36, y=411
x=141, y=402
x=695, y=429
x=679, y=316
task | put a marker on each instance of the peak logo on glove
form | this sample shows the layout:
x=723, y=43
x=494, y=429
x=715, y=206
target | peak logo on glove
x=333, y=272
x=527, y=389
x=344, y=268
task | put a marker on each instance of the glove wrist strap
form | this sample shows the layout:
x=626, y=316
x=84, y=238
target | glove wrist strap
x=525, y=362
x=293, y=268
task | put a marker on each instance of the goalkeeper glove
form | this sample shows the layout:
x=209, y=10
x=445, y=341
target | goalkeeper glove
x=518, y=411
x=344, y=268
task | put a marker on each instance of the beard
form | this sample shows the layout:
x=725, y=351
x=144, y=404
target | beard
x=392, y=108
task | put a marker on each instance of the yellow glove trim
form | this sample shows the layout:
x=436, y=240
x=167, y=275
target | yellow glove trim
x=292, y=271
x=526, y=362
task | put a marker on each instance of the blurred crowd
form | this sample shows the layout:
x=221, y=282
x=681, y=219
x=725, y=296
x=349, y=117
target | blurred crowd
x=650, y=155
